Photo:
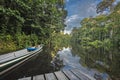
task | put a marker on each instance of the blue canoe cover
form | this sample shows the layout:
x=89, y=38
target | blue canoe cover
x=31, y=48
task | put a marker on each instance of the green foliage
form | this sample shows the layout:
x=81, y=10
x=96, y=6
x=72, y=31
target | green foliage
x=96, y=44
x=6, y=44
x=60, y=40
x=97, y=41
x=98, y=32
x=104, y=4
x=31, y=22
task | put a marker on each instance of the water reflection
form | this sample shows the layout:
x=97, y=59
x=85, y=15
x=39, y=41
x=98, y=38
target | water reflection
x=71, y=60
x=104, y=60
x=57, y=63
x=39, y=64
x=95, y=63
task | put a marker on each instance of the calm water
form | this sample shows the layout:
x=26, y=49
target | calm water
x=74, y=61
x=104, y=60
x=40, y=64
x=93, y=64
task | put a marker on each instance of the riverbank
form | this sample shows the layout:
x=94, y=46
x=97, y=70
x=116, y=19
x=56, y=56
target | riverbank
x=10, y=43
x=7, y=46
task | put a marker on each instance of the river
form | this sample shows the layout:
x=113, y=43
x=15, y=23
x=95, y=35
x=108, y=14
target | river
x=69, y=58
x=71, y=61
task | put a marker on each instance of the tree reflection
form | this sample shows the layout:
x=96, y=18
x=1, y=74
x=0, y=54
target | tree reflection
x=103, y=60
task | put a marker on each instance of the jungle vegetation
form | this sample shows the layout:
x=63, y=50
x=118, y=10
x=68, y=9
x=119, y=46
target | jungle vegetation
x=26, y=23
x=97, y=41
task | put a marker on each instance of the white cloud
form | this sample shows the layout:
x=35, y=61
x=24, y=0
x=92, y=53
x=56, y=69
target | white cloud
x=67, y=0
x=116, y=2
x=71, y=19
x=67, y=31
x=77, y=11
x=92, y=8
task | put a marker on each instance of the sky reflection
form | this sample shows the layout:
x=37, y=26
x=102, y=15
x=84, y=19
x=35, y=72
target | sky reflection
x=71, y=61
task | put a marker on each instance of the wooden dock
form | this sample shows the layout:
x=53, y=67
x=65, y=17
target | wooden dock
x=72, y=74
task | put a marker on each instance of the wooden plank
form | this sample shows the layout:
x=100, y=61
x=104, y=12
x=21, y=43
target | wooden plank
x=88, y=76
x=38, y=77
x=60, y=75
x=50, y=76
x=27, y=78
x=70, y=75
x=81, y=76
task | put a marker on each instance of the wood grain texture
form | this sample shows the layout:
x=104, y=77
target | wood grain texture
x=50, y=76
x=39, y=77
x=70, y=75
x=60, y=75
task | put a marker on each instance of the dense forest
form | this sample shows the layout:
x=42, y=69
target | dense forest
x=100, y=31
x=58, y=41
x=97, y=41
x=26, y=23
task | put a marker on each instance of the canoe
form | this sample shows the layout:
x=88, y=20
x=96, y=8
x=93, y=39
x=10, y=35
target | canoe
x=8, y=65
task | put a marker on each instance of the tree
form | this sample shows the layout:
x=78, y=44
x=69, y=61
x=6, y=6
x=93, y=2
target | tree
x=31, y=17
x=103, y=5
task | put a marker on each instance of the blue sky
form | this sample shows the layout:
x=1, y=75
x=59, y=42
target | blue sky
x=77, y=10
